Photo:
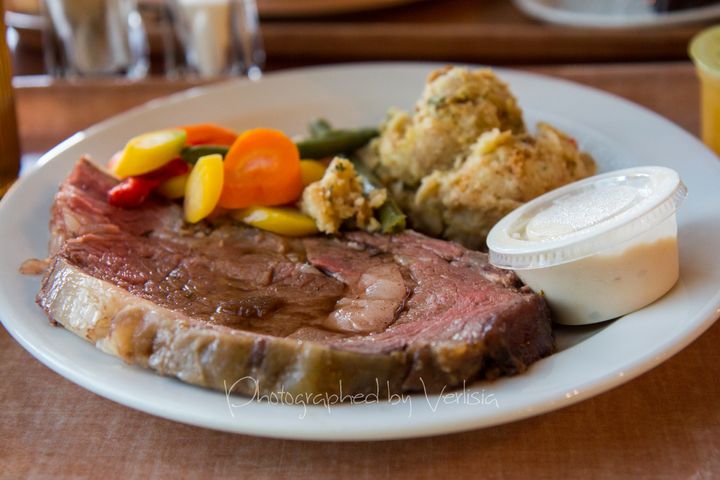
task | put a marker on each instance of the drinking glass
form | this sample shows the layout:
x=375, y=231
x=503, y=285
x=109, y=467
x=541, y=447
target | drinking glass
x=219, y=37
x=98, y=37
x=705, y=52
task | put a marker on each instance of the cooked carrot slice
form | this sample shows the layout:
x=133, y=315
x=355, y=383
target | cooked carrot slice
x=262, y=168
x=209, y=134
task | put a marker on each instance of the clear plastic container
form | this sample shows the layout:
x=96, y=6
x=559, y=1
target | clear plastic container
x=598, y=248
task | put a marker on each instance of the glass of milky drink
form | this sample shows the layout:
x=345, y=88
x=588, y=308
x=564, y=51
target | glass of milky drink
x=98, y=38
x=599, y=248
x=219, y=37
x=705, y=53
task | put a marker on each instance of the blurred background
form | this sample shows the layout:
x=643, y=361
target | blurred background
x=500, y=32
x=66, y=53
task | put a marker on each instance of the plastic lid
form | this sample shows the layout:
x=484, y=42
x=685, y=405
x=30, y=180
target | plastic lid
x=585, y=217
x=705, y=49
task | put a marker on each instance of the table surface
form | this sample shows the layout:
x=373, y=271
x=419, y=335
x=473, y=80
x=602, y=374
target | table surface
x=664, y=424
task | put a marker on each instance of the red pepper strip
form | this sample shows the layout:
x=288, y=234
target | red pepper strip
x=171, y=169
x=133, y=191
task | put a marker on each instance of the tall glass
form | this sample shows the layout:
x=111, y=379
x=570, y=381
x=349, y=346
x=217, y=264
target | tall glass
x=9, y=141
x=219, y=37
x=710, y=109
x=99, y=37
x=705, y=52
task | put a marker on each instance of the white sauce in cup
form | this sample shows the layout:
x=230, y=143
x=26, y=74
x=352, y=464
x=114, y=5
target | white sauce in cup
x=598, y=248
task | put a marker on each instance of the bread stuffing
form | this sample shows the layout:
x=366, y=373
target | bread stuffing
x=340, y=197
x=464, y=159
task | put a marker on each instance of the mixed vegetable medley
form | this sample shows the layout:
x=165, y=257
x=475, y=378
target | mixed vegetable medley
x=260, y=177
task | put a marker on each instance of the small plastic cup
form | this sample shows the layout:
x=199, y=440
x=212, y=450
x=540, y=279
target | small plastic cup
x=598, y=248
x=704, y=51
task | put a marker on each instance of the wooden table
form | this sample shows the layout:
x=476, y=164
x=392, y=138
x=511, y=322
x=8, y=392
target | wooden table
x=665, y=424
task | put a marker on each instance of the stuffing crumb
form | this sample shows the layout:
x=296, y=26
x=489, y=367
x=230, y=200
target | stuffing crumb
x=339, y=197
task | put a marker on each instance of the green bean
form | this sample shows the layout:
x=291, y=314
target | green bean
x=391, y=218
x=370, y=181
x=193, y=154
x=319, y=127
x=334, y=142
x=330, y=143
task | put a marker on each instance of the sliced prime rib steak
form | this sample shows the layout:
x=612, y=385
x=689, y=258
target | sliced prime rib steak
x=217, y=302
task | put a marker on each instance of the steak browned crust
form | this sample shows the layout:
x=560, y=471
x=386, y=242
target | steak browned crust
x=218, y=302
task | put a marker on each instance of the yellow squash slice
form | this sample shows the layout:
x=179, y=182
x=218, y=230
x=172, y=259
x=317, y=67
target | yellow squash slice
x=173, y=188
x=148, y=152
x=311, y=171
x=282, y=220
x=203, y=188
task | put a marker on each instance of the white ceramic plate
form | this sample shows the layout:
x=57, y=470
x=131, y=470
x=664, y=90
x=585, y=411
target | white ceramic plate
x=612, y=13
x=591, y=359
